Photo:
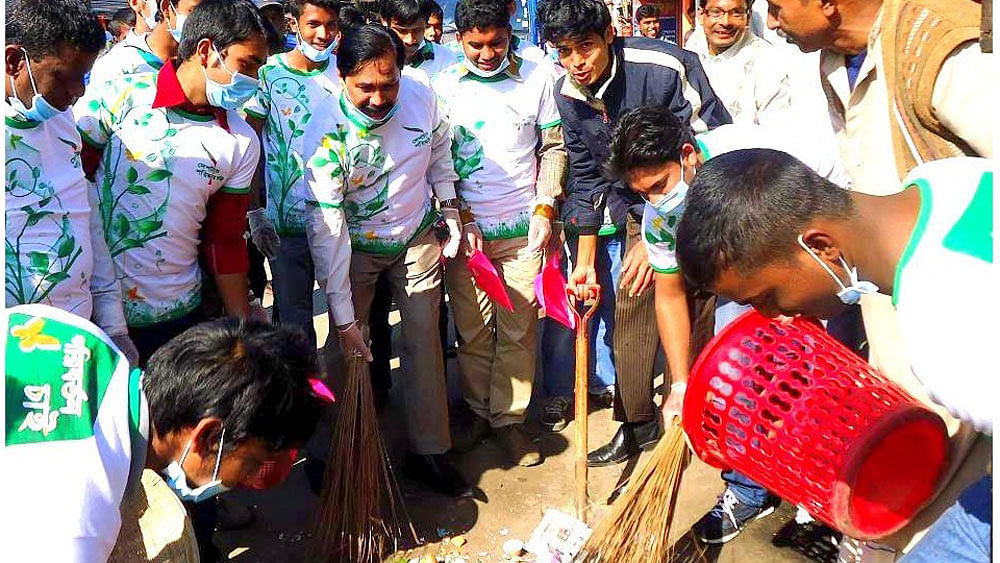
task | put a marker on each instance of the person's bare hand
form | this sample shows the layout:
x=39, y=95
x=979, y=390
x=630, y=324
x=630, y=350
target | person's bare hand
x=637, y=274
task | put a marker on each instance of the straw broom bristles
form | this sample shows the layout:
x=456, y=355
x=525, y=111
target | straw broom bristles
x=362, y=516
x=638, y=526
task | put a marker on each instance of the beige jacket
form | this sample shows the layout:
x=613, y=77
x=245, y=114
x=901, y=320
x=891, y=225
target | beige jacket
x=963, y=95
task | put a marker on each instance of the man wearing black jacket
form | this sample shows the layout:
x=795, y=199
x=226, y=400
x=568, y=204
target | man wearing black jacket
x=607, y=76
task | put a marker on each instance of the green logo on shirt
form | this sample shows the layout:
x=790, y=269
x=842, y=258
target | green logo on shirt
x=423, y=137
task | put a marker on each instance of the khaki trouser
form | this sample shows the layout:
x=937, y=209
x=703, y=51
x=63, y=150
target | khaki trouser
x=497, y=355
x=971, y=452
x=415, y=280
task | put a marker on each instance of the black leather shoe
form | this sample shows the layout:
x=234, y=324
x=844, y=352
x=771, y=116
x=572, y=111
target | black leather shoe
x=629, y=441
x=437, y=473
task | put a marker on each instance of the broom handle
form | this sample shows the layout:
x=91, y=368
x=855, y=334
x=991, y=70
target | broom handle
x=580, y=389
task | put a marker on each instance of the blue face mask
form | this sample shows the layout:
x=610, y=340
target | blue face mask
x=41, y=109
x=230, y=96
x=177, y=480
x=672, y=200
x=848, y=294
x=315, y=55
x=361, y=117
x=176, y=32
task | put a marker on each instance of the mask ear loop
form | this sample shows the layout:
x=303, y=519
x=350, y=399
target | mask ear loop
x=31, y=75
x=218, y=457
x=812, y=253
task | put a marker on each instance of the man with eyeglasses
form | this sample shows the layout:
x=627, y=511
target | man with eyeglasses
x=747, y=73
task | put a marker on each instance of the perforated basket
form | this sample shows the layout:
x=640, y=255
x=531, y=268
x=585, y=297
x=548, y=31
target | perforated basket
x=795, y=410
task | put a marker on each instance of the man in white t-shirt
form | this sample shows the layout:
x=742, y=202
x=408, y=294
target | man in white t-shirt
x=214, y=405
x=740, y=238
x=293, y=87
x=408, y=20
x=382, y=167
x=656, y=157
x=173, y=161
x=55, y=251
x=146, y=52
x=748, y=74
x=500, y=107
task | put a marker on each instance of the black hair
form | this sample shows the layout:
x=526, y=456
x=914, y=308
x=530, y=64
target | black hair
x=434, y=9
x=703, y=3
x=42, y=27
x=647, y=11
x=123, y=16
x=403, y=12
x=254, y=376
x=224, y=22
x=645, y=136
x=482, y=14
x=295, y=7
x=351, y=18
x=365, y=44
x=745, y=210
x=572, y=19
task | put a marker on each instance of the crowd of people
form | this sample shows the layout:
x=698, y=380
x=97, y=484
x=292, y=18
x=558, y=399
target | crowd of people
x=160, y=163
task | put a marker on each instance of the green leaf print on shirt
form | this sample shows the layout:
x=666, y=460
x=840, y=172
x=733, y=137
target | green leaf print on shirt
x=467, y=152
x=661, y=235
x=285, y=166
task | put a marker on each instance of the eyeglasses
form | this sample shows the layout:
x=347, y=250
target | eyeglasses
x=717, y=14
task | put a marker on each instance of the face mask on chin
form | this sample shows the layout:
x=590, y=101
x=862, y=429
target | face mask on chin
x=176, y=479
x=316, y=55
x=474, y=69
x=360, y=116
x=848, y=294
x=40, y=110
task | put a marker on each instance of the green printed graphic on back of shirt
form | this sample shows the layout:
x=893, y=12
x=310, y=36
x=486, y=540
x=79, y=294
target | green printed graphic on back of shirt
x=55, y=380
x=663, y=231
x=972, y=234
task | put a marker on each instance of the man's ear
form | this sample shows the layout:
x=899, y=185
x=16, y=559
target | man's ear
x=202, y=51
x=13, y=58
x=205, y=436
x=458, y=37
x=609, y=34
x=823, y=244
x=689, y=156
x=829, y=7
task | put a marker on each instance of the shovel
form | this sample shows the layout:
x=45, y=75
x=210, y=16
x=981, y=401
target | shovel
x=593, y=293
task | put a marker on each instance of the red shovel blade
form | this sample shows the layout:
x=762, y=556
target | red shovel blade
x=550, y=289
x=488, y=280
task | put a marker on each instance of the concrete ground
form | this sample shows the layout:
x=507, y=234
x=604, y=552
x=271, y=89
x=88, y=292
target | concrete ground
x=508, y=504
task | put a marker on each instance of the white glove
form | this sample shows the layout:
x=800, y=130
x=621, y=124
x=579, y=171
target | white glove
x=353, y=343
x=473, y=237
x=539, y=231
x=452, y=220
x=262, y=233
x=125, y=344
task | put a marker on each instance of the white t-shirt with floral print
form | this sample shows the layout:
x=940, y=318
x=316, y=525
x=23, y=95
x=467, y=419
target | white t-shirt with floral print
x=287, y=100
x=52, y=254
x=129, y=56
x=496, y=125
x=158, y=169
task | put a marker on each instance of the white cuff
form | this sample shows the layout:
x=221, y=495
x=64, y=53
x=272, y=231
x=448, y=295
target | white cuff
x=444, y=191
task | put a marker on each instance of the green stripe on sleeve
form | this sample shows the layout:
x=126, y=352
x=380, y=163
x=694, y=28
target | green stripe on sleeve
x=555, y=123
x=232, y=190
x=673, y=270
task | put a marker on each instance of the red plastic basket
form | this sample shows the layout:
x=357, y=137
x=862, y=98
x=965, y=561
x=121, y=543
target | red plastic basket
x=273, y=472
x=795, y=410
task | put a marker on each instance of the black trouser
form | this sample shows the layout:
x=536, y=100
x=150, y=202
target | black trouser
x=149, y=339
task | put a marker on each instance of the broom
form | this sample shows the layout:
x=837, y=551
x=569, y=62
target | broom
x=362, y=514
x=637, y=528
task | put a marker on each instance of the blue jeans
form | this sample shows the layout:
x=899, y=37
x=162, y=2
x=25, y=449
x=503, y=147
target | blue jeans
x=293, y=284
x=963, y=533
x=558, y=341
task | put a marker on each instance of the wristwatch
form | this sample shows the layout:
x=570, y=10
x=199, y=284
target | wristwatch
x=452, y=203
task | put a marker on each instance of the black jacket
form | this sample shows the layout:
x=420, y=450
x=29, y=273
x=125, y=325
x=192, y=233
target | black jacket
x=646, y=71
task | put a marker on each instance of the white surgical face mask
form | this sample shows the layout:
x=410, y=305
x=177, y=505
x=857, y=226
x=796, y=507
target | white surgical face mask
x=315, y=55
x=848, y=294
x=177, y=480
x=670, y=201
x=474, y=69
x=150, y=18
x=177, y=31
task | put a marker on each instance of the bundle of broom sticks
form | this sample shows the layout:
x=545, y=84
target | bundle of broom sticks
x=637, y=528
x=362, y=514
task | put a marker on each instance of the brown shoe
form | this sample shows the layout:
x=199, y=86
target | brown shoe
x=465, y=436
x=520, y=448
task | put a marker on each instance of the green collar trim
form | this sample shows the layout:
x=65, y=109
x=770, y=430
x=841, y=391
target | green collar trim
x=21, y=123
x=918, y=233
x=314, y=72
x=193, y=116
